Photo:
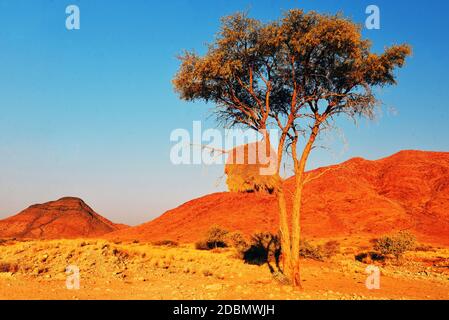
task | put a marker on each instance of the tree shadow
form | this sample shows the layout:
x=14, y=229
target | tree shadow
x=265, y=248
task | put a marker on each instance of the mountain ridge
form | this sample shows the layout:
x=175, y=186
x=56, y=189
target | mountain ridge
x=407, y=190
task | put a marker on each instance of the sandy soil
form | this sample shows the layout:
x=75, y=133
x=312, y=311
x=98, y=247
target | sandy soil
x=36, y=270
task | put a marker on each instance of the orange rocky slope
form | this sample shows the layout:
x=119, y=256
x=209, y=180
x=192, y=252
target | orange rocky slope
x=409, y=190
x=65, y=218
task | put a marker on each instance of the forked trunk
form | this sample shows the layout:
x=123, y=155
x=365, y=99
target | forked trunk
x=290, y=242
x=300, y=166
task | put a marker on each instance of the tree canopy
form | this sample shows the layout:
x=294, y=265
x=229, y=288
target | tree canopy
x=304, y=66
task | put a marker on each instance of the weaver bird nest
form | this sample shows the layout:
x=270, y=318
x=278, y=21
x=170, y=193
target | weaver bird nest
x=252, y=168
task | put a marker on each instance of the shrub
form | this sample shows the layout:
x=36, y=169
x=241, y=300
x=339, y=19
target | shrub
x=216, y=237
x=309, y=251
x=238, y=241
x=397, y=244
x=201, y=245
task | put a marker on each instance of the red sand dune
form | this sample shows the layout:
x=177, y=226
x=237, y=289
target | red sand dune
x=409, y=190
x=64, y=218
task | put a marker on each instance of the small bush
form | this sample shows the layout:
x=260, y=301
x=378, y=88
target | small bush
x=216, y=237
x=397, y=244
x=201, y=245
x=166, y=243
x=309, y=251
x=238, y=241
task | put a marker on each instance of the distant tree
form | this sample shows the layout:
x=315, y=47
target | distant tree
x=217, y=237
x=295, y=74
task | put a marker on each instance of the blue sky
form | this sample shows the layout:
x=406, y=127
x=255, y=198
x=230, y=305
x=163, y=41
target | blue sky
x=89, y=113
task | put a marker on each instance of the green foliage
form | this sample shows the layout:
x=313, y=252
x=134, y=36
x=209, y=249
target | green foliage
x=397, y=244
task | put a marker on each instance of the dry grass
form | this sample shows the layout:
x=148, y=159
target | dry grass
x=49, y=259
x=139, y=270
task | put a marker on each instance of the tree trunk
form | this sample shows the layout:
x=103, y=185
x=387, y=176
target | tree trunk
x=290, y=242
x=296, y=233
x=284, y=229
x=285, y=232
x=300, y=166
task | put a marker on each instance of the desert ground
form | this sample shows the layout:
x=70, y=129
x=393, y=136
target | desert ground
x=133, y=270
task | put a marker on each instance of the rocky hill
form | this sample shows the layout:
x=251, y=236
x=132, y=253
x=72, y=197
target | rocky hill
x=64, y=218
x=409, y=190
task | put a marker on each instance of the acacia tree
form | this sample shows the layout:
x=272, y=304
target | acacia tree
x=296, y=74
